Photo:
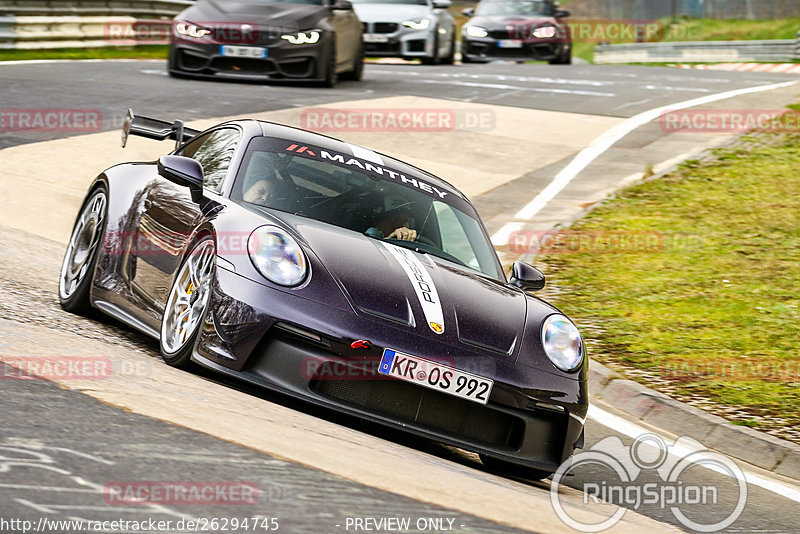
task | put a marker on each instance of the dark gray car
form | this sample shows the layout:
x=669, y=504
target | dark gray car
x=315, y=40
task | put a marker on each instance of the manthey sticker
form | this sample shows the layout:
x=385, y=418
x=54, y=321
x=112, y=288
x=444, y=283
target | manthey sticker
x=423, y=286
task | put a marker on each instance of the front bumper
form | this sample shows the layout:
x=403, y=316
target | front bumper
x=283, y=61
x=397, y=40
x=303, y=349
x=488, y=48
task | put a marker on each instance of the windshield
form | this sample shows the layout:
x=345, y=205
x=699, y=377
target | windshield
x=414, y=2
x=367, y=197
x=518, y=7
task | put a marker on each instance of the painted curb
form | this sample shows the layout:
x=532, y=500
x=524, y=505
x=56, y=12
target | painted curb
x=762, y=450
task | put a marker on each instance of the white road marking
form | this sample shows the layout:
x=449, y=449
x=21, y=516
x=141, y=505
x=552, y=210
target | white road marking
x=498, y=77
x=632, y=430
x=47, y=61
x=601, y=145
x=521, y=88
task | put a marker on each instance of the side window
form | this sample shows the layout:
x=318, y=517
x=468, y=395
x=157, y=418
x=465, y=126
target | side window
x=214, y=152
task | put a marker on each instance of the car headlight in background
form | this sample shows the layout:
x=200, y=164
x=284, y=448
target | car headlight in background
x=417, y=24
x=562, y=343
x=545, y=32
x=476, y=31
x=277, y=256
x=189, y=29
x=298, y=38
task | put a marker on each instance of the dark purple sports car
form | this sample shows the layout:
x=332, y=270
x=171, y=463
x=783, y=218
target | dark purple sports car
x=330, y=272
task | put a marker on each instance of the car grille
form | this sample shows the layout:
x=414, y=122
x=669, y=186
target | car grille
x=384, y=27
x=500, y=34
x=433, y=410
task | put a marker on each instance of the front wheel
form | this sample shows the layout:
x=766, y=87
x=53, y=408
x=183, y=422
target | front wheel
x=80, y=258
x=331, y=76
x=450, y=58
x=433, y=60
x=187, y=303
x=358, y=67
x=507, y=468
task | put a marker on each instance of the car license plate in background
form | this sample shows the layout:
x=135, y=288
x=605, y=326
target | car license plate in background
x=375, y=38
x=435, y=376
x=509, y=43
x=243, y=51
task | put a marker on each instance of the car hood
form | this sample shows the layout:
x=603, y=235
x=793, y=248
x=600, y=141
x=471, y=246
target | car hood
x=390, y=12
x=257, y=13
x=501, y=22
x=412, y=289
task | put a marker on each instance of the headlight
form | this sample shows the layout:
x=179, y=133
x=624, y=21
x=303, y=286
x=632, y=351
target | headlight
x=277, y=256
x=191, y=30
x=477, y=31
x=562, y=342
x=417, y=24
x=306, y=37
x=545, y=32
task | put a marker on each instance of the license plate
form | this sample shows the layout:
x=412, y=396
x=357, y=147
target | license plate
x=435, y=376
x=243, y=51
x=509, y=43
x=375, y=38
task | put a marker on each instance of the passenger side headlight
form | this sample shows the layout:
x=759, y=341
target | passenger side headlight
x=277, y=256
x=417, y=24
x=190, y=29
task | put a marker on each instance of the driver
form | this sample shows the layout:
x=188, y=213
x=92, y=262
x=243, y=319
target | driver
x=258, y=193
x=395, y=224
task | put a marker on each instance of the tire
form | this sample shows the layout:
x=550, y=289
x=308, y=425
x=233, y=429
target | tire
x=565, y=58
x=435, y=59
x=331, y=77
x=450, y=58
x=507, y=468
x=358, y=68
x=187, y=303
x=80, y=259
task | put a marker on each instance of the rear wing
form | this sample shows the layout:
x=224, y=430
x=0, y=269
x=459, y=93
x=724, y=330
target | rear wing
x=156, y=129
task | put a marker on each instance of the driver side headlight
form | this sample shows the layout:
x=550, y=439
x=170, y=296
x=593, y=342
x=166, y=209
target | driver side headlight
x=545, y=32
x=277, y=256
x=190, y=29
x=562, y=343
x=476, y=31
x=298, y=38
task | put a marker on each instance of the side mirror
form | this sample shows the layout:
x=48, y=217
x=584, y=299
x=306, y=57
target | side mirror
x=183, y=171
x=469, y=12
x=343, y=5
x=562, y=13
x=526, y=277
x=442, y=4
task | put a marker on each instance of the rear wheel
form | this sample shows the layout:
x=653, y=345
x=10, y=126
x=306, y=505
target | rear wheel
x=77, y=269
x=187, y=303
x=507, y=468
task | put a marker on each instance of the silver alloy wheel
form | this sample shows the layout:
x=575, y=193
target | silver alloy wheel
x=188, y=297
x=82, y=245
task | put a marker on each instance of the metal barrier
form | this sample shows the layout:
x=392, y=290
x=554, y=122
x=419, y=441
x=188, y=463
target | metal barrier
x=85, y=23
x=773, y=51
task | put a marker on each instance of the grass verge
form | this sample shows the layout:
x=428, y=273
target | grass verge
x=110, y=52
x=708, y=311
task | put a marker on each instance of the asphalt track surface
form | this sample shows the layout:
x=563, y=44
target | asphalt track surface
x=58, y=446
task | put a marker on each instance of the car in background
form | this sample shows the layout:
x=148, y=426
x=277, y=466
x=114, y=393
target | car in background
x=518, y=30
x=317, y=40
x=409, y=29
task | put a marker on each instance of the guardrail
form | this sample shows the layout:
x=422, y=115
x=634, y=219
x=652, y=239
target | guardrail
x=772, y=51
x=85, y=23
